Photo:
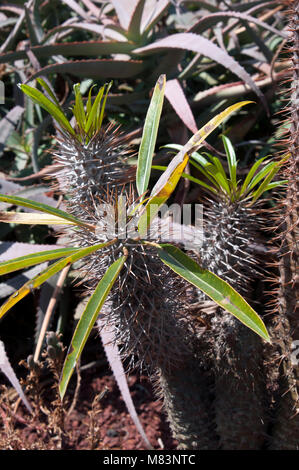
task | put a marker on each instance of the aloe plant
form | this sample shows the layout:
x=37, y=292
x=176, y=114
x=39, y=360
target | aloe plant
x=134, y=279
x=144, y=38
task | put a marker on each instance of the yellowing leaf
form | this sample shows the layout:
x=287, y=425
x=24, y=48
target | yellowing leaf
x=159, y=197
x=33, y=219
x=169, y=179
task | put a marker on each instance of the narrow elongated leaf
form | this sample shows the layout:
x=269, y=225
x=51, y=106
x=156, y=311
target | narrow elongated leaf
x=78, y=109
x=176, y=97
x=195, y=142
x=134, y=28
x=50, y=92
x=76, y=7
x=38, y=206
x=14, y=283
x=11, y=38
x=194, y=42
x=169, y=179
x=87, y=321
x=33, y=33
x=263, y=187
x=149, y=136
x=84, y=48
x=52, y=108
x=98, y=68
x=34, y=258
x=157, y=199
x=46, y=274
x=209, y=20
x=261, y=174
x=102, y=109
x=92, y=118
x=204, y=164
x=188, y=177
x=31, y=218
x=7, y=370
x=231, y=159
x=12, y=250
x=124, y=10
x=115, y=362
x=251, y=173
x=153, y=11
x=214, y=287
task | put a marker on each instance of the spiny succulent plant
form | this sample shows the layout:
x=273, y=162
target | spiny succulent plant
x=228, y=355
x=285, y=315
x=131, y=269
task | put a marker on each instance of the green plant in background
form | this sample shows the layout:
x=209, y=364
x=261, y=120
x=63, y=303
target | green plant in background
x=135, y=279
x=233, y=392
x=204, y=48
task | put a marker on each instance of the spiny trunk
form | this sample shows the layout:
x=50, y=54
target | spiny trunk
x=286, y=421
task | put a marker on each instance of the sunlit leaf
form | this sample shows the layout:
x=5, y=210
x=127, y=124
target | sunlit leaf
x=44, y=84
x=189, y=177
x=31, y=218
x=231, y=159
x=46, y=274
x=87, y=321
x=19, y=201
x=251, y=173
x=214, y=287
x=34, y=258
x=158, y=198
x=149, y=136
x=52, y=108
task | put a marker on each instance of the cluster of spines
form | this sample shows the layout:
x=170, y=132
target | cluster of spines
x=232, y=236
x=144, y=313
x=284, y=326
x=88, y=168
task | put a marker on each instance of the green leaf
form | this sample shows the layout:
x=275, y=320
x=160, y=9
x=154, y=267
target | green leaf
x=99, y=69
x=231, y=159
x=46, y=274
x=264, y=186
x=275, y=184
x=48, y=90
x=149, y=136
x=203, y=162
x=73, y=49
x=158, y=198
x=261, y=174
x=39, y=98
x=94, y=112
x=214, y=287
x=196, y=140
x=251, y=173
x=101, y=111
x=134, y=28
x=189, y=177
x=78, y=109
x=20, y=201
x=220, y=175
x=87, y=321
x=34, y=258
